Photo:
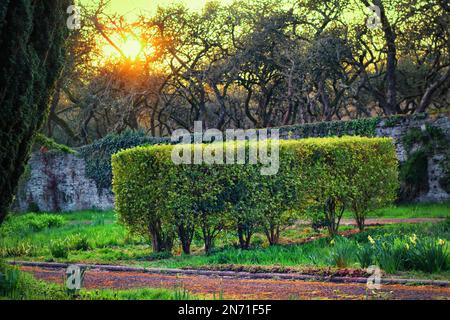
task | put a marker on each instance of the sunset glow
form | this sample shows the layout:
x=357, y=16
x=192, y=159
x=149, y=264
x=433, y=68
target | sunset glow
x=130, y=47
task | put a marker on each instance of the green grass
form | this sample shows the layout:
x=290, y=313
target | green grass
x=98, y=230
x=405, y=211
x=99, y=217
x=138, y=294
x=16, y=285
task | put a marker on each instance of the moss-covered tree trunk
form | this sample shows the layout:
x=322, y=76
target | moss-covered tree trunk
x=32, y=38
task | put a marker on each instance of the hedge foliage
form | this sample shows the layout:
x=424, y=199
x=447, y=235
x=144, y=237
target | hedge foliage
x=98, y=154
x=322, y=176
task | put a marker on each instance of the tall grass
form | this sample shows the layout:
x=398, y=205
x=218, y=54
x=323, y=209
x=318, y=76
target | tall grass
x=343, y=252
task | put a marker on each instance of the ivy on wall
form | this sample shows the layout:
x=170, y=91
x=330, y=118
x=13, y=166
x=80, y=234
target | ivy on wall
x=359, y=127
x=51, y=145
x=98, y=155
x=397, y=119
x=420, y=144
x=444, y=182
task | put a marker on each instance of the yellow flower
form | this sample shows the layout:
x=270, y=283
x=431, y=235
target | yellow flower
x=407, y=246
x=413, y=239
x=371, y=240
x=441, y=242
x=332, y=242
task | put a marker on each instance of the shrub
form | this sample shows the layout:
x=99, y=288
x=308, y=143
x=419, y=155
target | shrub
x=318, y=220
x=98, y=154
x=59, y=249
x=45, y=221
x=79, y=242
x=159, y=256
x=391, y=254
x=158, y=198
x=19, y=249
x=198, y=198
x=429, y=255
x=141, y=184
x=365, y=255
x=245, y=216
x=359, y=174
x=51, y=145
x=343, y=252
x=278, y=197
x=373, y=179
x=414, y=175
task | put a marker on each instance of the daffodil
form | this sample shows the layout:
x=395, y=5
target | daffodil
x=413, y=239
x=371, y=239
x=332, y=242
x=407, y=246
x=441, y=242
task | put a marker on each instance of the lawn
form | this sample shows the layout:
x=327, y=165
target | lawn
x=96, y=237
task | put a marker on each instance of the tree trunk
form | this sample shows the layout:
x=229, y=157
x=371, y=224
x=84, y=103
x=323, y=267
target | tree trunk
x=185, y=236
x=361, y=222
x=160, y=242
x=333, y=216
x=428, y=95
x=273, y=235
x=244, y=236
x=391, y=68
x=208, y=244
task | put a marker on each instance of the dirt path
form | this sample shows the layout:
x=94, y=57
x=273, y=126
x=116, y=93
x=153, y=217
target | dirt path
x=235, y=288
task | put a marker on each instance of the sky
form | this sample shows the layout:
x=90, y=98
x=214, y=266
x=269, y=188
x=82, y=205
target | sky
x=132, y=8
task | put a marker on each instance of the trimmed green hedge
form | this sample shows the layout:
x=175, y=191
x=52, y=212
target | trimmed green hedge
x=316, y=176
x=98, y=154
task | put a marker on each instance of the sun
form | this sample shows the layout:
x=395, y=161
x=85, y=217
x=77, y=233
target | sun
x=130, y=47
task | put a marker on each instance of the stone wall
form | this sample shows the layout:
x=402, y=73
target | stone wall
x=435, y=162
x=58, y=182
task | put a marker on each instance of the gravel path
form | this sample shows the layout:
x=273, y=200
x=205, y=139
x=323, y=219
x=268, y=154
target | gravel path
x=235, y=288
